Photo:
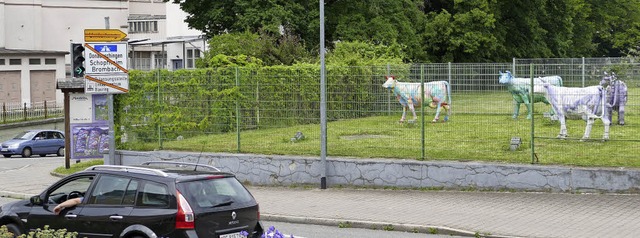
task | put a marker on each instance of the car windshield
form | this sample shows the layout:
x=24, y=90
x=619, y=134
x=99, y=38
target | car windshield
x=25, y=135
x=218, y=192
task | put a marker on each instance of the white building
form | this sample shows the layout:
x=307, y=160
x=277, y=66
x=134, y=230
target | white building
x=35, y=37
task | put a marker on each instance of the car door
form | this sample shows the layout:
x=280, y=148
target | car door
x=107, y=208
x=41, y=145
x=69, y=187
x=155, y=207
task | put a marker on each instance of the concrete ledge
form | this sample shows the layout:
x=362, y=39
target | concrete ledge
x=295, y=170
x=31, y=123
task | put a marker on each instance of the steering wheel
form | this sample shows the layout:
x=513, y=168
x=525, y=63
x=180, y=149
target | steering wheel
x=75, y=194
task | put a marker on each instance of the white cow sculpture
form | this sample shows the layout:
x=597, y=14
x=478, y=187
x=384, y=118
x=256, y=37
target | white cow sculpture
x=437, y=94
x=579, y=103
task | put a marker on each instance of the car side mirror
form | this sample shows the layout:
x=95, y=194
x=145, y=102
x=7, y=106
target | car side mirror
x=36, y=200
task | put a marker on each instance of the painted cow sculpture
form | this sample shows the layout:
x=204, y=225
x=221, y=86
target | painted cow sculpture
x=616, y=96
x=579, y=103
x=437, y=94
x=520, y=90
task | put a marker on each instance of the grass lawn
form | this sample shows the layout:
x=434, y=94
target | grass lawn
x=479, y=129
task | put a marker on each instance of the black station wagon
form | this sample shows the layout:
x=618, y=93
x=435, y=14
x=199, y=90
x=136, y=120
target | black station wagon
x=156, y=199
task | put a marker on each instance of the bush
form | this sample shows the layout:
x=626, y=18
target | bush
x=39, y=233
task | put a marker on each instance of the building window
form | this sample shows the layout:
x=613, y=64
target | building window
x=143, y=26
x=1, y=61
x=34, y=61
x=15, y=61
x=192, y=55
x=50, y=61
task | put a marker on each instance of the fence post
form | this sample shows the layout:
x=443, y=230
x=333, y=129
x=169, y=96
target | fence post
x=388, y=94
x=24, y=109
x=4, y=112
x=238, y=111
x=159, y=108
x=45, y=109
x=583, y=72
x=533, y=152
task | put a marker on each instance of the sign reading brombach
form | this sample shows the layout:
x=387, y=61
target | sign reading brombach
x=105, y=58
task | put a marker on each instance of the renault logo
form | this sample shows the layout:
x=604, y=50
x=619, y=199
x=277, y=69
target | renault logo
x=233, y=215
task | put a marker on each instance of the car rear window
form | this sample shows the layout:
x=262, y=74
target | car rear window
x=215, y=192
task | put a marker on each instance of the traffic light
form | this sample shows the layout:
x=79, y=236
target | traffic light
x=77, y=60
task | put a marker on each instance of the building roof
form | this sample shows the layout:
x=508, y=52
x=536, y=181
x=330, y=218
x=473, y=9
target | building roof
x=169, y=40
x=5, y=51
x=70, y=83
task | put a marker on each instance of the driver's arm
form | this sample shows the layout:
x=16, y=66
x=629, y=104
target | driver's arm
x=69, y=203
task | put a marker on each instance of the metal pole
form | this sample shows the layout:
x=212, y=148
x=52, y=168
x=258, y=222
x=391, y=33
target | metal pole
x=112, y=134
x=238, y=111
x=323, y=105
x=422, y=109
x=533, y=152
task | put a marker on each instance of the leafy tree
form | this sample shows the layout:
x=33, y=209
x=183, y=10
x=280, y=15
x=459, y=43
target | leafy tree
x=617, y=25
x=464, y=35
x=379, y=22
x=268, y=49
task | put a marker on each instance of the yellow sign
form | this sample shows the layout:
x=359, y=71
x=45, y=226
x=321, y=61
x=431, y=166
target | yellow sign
x=103, y=35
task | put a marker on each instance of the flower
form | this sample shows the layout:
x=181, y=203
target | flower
x=271, y=233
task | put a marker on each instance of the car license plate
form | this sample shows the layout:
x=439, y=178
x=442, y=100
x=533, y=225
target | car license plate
x=233, y=235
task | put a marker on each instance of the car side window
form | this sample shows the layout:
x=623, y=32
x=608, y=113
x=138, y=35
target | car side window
x=71, y=189
x=130, y=194
x=153, y=194
x=109, y=190
x=58, y=135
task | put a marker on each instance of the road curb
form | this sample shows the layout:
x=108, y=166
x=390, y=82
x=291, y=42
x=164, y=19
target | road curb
x=439, y=230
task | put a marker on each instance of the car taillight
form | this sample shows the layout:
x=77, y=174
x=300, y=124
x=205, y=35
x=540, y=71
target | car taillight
x=185, y=218
x=258, y=212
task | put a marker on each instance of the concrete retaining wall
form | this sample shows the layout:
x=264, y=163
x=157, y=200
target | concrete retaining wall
x=297, y=170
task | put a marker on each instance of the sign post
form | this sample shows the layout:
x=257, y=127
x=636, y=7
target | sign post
x=106, y=73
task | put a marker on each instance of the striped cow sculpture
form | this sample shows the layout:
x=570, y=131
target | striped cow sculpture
x=579, y=103
x=520, y=88
x=437, y=94
x=616, y=96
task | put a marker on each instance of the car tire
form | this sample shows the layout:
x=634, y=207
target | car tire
x=13, y=228
x=60, y=151
x=26, y=152
x=6, y=156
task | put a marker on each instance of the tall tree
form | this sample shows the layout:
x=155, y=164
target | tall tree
x=463, y=34
x=617, y=24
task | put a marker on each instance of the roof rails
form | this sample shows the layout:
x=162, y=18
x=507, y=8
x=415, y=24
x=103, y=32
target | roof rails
x=183, y=164
x=128, y=169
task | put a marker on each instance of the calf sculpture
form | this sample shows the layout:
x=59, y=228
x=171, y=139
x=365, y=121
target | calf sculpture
x=437, y=94
x=616, y=96
x=520, y=90
x=579, y=103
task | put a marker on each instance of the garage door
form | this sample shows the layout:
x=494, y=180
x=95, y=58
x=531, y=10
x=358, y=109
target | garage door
x=10, y=87
x=43, y=85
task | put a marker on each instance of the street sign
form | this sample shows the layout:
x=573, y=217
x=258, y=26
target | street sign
x=103, y=35
x=106, y=84
x=105, y=58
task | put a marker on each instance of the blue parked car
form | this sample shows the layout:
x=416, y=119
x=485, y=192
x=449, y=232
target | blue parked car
x=39, y=142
